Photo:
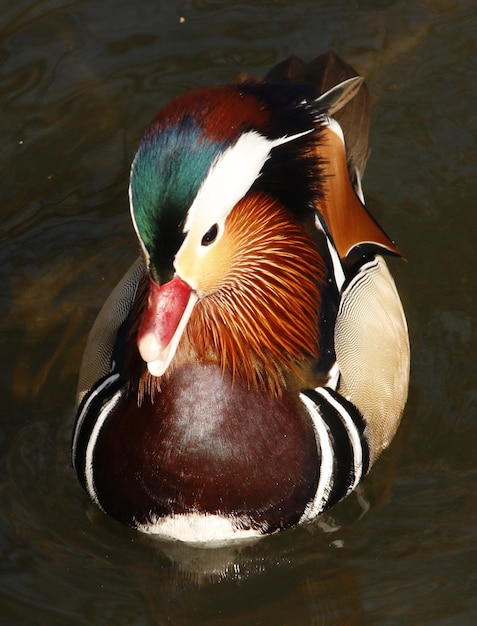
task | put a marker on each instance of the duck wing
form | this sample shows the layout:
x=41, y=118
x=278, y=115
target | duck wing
x=344, y=151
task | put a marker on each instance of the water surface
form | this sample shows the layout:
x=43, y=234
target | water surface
x=79, y=81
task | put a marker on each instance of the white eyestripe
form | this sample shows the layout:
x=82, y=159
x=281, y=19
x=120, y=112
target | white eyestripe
x=230, y=177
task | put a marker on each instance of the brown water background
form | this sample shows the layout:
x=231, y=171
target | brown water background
x=79, y=81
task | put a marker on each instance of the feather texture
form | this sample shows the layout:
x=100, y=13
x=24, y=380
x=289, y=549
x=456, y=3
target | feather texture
x=264, y=308
x=260, y=321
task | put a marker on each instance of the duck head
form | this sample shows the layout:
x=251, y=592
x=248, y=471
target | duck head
x=223, y=189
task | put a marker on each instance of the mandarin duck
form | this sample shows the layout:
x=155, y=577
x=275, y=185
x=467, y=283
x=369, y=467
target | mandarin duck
x=253, y=363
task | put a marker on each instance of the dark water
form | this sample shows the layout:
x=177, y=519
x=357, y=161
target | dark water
x=78, y=82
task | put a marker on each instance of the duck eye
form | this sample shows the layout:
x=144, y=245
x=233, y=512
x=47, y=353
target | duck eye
x=210, y=236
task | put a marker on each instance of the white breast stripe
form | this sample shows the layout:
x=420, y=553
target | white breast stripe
x=103, y=415
x=325, y=482
x=107, y=382
x=353, y=434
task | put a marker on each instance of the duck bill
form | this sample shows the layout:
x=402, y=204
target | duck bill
x=167, y=312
